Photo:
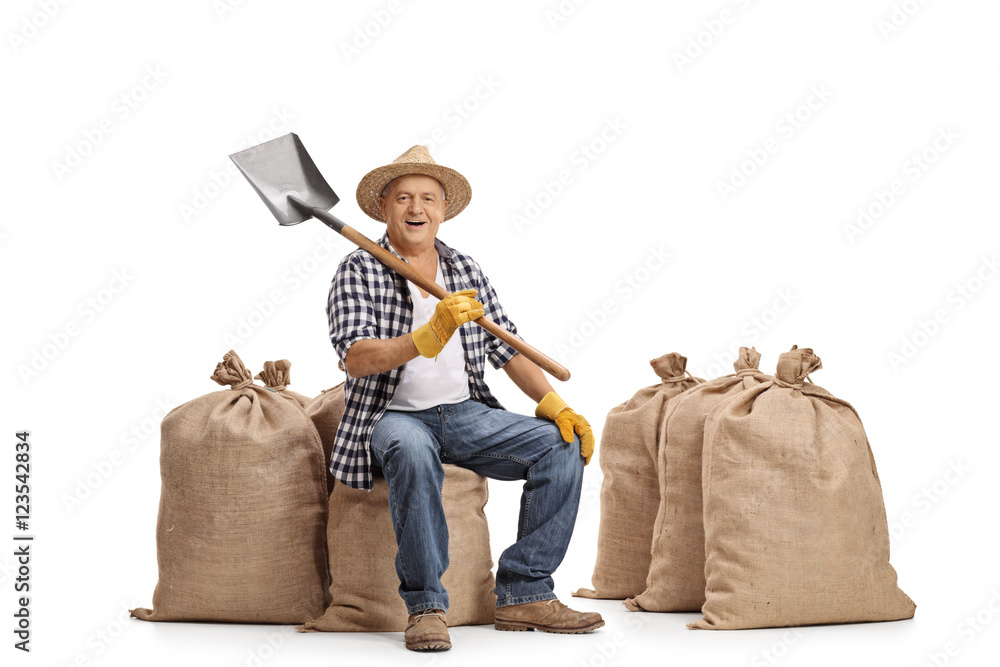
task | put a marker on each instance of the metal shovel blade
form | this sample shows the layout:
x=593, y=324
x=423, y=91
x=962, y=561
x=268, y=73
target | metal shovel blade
x=280, y=168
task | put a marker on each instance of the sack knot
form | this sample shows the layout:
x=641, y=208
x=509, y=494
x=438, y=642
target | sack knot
x=277, y=375
x=242, y=385
x=231, y=371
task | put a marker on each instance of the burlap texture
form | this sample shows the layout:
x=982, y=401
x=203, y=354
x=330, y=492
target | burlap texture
x=362, y=546
x=277, y=375
x=242, y=517
x=326, y=411
x=795, y=525
x=630, y=492
x=676, y=579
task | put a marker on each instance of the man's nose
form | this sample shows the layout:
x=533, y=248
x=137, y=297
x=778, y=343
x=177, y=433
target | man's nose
x=416, y=206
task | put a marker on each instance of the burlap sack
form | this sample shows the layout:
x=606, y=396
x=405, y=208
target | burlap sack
x=630, y=492
x=242, y=518
x=277, y=375
x=795, y=526
x=326, y=410
x=676, y=580
x=364, y=586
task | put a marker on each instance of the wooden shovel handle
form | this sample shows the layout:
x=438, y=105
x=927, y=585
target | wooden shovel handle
x=543, y=361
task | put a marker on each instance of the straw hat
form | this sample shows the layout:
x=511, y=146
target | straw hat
x=417, y=160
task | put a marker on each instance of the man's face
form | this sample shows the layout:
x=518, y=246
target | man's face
x=413, y=208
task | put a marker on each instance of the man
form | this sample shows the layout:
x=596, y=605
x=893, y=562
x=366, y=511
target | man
x=408, y=375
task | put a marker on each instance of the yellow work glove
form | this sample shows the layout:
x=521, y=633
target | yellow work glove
x=553, y=408
x=450, y=313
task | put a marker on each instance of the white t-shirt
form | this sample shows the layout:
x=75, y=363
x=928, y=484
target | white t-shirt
x=426, y=383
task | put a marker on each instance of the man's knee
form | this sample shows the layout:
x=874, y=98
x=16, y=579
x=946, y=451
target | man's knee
x=568, y=454
x=408, y=449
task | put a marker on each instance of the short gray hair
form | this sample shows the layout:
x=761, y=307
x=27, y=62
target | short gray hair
x=385, y=190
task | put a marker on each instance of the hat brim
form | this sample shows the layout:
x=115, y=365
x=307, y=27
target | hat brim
x=457, y=190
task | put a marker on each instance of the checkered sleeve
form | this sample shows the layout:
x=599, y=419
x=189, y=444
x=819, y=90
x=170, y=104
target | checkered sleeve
x=349, y=307
x=497, y=352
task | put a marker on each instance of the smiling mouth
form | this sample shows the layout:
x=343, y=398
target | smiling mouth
x=414, y=223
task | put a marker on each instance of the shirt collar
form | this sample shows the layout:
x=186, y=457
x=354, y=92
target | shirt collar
x=444, y=252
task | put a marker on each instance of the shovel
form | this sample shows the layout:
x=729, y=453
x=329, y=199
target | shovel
x=286, y=178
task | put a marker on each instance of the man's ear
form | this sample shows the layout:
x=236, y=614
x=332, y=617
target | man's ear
x=381, y=206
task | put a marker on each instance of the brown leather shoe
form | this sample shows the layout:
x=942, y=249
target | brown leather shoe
x=547, y=616
x=427, y=631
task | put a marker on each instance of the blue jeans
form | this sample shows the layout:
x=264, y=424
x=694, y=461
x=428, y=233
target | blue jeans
x=410, y=447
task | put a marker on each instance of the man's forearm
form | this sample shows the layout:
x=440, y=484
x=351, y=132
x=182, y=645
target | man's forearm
x=372, y=356
x=528, y=377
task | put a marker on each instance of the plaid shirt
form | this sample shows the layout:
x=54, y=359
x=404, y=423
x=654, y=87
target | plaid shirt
x=369, y=300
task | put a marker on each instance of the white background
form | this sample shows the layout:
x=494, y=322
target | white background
x=131, y=256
